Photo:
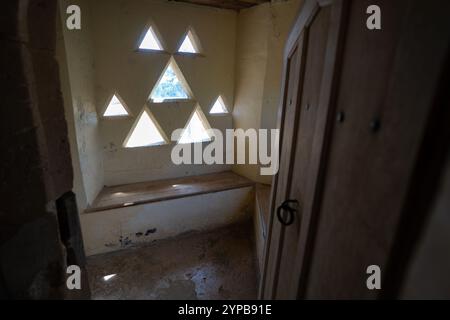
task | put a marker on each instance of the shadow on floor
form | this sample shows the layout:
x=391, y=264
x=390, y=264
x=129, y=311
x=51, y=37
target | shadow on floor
x=212, y=265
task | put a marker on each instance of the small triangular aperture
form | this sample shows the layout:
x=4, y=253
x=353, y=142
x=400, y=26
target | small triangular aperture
x=150, y=41
x=196, y=128
x=145, y=132
x=171, y=85
x=115, y=108
x=219, y=107
x=189, y=44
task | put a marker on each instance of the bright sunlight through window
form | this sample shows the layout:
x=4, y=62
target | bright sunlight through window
x=150, y=41
x=188, y=45
x=195, y=131
x=115, y=108
x=145, y=133
x=218, y=107
x=170, y=86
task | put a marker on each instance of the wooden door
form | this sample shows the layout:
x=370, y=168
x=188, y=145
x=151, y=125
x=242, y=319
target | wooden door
x=387, y=87
x=311, y=52
x=354, y=123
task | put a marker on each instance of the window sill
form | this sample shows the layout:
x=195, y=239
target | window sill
x=189, y=100
x=188, y=54
x=151, y=51
x=109, y=118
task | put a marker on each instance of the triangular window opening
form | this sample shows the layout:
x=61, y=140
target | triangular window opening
x=150, y=41
x=115, y=108
x=196, y=129
x=171, y=86
x=219, y=107
x=145, y=132
x=189, y=45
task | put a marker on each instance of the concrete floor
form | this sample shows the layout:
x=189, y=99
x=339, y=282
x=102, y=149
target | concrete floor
x=214, y=265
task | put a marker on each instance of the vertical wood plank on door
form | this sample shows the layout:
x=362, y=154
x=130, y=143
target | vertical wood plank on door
x=354, y=178
x=367, y=170
x=309, y=96
x=284, y=176
x=299, y=160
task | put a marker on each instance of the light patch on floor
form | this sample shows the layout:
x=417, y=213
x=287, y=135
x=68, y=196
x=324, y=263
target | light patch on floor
x=213, y=265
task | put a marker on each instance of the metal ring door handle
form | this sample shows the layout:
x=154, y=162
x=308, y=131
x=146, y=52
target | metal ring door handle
x=285, y=207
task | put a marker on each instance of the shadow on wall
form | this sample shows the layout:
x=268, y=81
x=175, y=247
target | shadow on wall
x=36, y=168
x=263, y=31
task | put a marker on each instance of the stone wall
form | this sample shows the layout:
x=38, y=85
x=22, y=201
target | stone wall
x=35, y=159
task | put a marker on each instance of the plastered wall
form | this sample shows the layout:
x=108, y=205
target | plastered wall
x=149, y=222
x=117, y=26
x=262, y=33
x=78, y=186
x=241, y=60
x=79, y=95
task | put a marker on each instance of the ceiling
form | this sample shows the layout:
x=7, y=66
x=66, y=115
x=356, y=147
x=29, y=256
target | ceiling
x=225, y=4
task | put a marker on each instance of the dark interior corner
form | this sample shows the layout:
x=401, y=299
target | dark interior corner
x=88, y=177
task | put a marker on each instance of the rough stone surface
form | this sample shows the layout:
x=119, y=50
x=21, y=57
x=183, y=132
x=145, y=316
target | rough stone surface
x=35, y=159
x=214, y=265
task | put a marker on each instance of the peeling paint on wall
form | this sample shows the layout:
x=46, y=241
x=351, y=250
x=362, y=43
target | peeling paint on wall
x=150, y=222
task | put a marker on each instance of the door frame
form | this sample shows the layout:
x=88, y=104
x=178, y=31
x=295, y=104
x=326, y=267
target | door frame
x=308, y=11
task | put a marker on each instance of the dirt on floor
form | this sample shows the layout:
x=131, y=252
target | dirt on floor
x=219, y=264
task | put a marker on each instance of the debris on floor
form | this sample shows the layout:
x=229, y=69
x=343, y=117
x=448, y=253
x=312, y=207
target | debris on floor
x=219, y=264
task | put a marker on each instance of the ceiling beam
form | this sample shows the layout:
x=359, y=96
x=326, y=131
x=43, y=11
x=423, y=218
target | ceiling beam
x=225, y=4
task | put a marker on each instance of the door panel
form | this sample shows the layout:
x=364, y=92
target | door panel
x=350, y=145
x=352, y=167
x=288, y=135
x=305, y=112
x=373, y=150
x=301, y=174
